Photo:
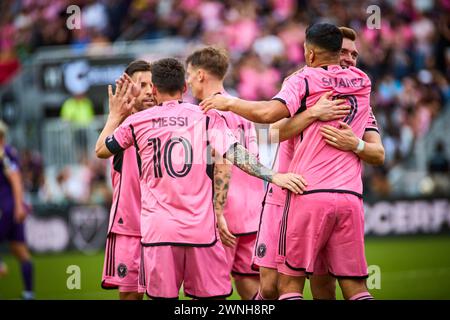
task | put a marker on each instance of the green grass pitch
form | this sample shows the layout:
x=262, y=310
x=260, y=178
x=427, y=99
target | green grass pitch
x=411, y=268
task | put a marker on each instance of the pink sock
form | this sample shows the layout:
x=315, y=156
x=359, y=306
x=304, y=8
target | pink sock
x=291, y=296
x=362, y=296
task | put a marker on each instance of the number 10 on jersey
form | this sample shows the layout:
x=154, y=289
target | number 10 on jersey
x=155, y=143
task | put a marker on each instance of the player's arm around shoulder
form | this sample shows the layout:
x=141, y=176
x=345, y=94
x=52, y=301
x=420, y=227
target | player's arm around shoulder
x=255, y=111
x=324, y=109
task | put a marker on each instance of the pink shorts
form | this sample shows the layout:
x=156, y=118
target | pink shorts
x=200, y=269
x=265, y=253
x=239, y=257
x=122, y=261
x=323, y=232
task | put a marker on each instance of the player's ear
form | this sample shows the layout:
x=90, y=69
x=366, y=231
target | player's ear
x=307, y=54
x=200, y=75
x=184, y=88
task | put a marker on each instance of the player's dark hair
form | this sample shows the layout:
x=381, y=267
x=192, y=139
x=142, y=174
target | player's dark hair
x=348, y=33
x=168, y=75
x=212, y=59
x=326, y=36
x=136, y=66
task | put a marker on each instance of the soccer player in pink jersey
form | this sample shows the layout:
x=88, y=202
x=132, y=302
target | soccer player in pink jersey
x=237, y=195
x=273, y=204
x=322, y=284
x=371, y=150
x=178, y=224
x=123, y=245
x=328, y=219
x=346, y=140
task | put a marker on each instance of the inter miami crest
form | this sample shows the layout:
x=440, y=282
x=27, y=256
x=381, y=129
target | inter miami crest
x=261, y=250
x=122, y=270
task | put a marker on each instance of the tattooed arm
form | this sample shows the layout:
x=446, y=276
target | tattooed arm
x=222, y=176
x=248, y=163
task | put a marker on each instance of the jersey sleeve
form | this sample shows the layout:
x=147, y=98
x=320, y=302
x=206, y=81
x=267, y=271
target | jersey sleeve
x=219, y=135
x=291, y=93
x=372, y=124
x=121, y=139
x=10, y=164
x=11, y=159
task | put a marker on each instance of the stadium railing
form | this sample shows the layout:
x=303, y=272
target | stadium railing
x=64, y=142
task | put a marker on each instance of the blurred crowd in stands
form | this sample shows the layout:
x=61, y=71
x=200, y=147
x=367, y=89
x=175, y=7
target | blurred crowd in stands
x=408, y=59
x=84, y=183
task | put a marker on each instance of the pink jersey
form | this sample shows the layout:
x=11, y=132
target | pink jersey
x=325, y=168
x=173, y=142
x=243, y=205
x=285, y=152
x=283, y=157
x=125, y=212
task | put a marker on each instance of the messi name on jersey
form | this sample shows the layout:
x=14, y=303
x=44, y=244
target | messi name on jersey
x=169, y=122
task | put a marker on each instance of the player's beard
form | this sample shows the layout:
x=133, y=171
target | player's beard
x=145, y=104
